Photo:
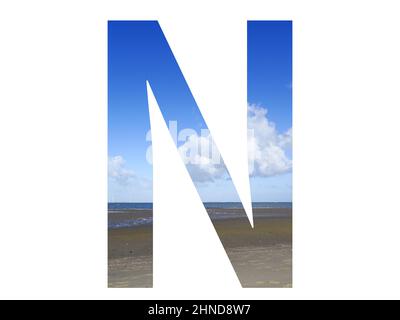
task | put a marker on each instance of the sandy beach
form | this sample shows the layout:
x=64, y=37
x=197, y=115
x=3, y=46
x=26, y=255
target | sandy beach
x=130, y=252
x=261, y=257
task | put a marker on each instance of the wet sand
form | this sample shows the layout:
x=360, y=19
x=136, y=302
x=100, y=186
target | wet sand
x=261, y=257
x=130, y=257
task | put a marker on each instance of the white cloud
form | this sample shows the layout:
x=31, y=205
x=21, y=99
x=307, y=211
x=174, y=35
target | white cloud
x=117, y=171
x=202, y=160
x=266, y=147
x=267, y=154
x=124, y=185
x=267, y=150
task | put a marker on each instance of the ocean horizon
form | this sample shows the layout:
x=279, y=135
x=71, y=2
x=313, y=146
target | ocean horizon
x=133, y=214
x=207, y=205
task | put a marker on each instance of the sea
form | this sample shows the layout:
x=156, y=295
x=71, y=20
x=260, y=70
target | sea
x=117, y=219
x=208, y=205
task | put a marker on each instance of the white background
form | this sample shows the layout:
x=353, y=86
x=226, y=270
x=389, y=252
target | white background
x=53, y=126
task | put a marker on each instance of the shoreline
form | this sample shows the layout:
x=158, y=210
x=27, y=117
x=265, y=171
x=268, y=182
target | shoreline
x=215, y=214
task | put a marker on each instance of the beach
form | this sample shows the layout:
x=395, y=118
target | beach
x=261, y=257
x=130, y=250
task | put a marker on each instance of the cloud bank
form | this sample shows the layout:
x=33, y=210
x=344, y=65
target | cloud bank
x=267, y=154
x=267, y=150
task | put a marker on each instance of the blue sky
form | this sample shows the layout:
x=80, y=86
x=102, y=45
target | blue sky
x=269, y=68
x=138, y=51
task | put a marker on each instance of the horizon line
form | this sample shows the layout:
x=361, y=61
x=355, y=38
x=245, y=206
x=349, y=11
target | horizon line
x=207, y=202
